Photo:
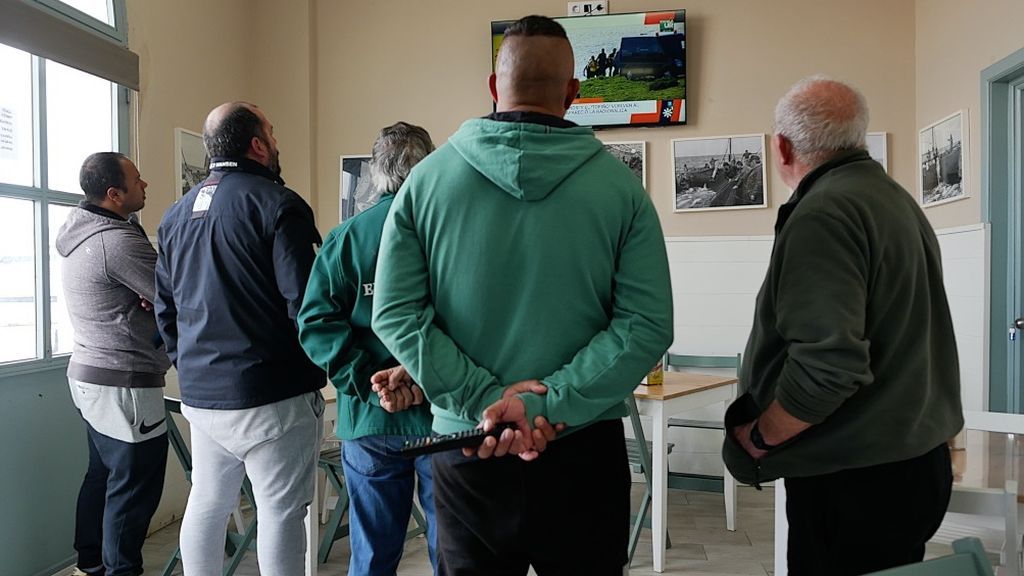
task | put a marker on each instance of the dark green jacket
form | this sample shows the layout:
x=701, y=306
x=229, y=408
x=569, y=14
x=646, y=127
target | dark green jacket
x=334, y=328
x=852, y=331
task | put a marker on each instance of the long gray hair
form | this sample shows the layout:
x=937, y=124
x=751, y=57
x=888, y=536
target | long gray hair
x=398, y=148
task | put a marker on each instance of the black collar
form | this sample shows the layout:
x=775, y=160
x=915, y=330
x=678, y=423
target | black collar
x=804, y=187
x=90, y=207
x=101, y=211
x=221, y=164
x=531, y=118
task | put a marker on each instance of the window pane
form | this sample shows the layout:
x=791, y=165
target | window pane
x=62, y=334
x=18, y=289
x=98, y=9
x=79, y=122
x=15, y=116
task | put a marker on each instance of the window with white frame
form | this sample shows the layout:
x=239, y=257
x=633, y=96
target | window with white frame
x=51, y=117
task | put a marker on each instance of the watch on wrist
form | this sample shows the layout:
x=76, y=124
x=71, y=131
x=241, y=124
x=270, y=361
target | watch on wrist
x=757, y=440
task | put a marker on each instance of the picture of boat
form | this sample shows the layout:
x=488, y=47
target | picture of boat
x=716, y=173
x=942, y=161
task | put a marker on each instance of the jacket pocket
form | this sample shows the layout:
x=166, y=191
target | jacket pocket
x=741, y=465
x=129, y=406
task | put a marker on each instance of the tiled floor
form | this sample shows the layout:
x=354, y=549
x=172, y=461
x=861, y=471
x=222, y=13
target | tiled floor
x=701, y=544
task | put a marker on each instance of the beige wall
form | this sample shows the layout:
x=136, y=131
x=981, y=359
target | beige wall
x=328, y=79
x=430, y=63
x=955, y=41
x=280, y=64
x=192, y=56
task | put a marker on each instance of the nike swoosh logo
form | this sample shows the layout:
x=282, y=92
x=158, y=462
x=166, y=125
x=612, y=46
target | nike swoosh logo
x=143, y=429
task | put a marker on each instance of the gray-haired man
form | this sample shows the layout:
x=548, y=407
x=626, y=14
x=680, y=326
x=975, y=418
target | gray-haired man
x=334, y=328
x=851, y=370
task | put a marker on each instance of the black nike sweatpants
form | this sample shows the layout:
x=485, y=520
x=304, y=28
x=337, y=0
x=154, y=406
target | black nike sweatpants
x=119, y=495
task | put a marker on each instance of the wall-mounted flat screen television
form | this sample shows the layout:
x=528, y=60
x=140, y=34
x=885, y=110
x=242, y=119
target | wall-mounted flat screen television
x=631, y=67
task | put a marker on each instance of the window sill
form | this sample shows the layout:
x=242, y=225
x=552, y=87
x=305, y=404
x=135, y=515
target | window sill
x=20, y=367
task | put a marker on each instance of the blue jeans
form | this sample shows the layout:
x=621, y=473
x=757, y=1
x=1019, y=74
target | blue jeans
x=380, y=487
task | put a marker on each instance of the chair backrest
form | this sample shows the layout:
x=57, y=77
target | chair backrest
x=968, y=559
x=690, y=361
x=643, y=456
x=177, y=441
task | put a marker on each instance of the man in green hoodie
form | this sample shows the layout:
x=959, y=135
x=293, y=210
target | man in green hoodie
x=851, y=375
x=521, y=251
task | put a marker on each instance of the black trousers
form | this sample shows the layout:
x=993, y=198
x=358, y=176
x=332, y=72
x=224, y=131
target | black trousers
x=119, y=495
x=867, y=519
x=565, y=513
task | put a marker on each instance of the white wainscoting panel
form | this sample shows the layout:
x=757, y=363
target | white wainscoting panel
x=715, y=281
x=965, y=272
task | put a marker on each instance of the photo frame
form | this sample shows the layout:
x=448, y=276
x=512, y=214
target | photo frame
x=633, y=155
x=719, y=173
x=191, y=162
x=357, y=192
x=878, y=148
x=943, y=166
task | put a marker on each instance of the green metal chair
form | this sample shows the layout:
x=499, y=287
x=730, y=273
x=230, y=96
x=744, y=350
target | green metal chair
x=237, y=542
x=330, y=462
x=725, y=484
x=968, y=559
x=638, y=450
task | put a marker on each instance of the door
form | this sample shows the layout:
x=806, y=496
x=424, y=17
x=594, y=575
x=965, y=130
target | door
x=1002, y=183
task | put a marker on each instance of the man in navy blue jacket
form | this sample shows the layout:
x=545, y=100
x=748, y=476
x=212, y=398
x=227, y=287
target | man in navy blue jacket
x=235, y=255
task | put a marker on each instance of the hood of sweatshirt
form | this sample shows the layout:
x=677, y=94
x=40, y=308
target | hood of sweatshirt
x=83, y=224
x=525, y=160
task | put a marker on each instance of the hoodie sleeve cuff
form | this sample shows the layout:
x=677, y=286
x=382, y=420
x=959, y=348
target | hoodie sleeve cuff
x=534, y=404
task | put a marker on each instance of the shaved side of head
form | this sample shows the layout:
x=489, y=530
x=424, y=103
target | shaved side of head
x=534, y=68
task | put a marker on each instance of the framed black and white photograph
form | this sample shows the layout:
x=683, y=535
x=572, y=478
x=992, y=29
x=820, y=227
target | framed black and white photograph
x=943, y=165
x=191, y=161
x=878, y=148
x=720, y=173
x=633, y=155
x=357, y=191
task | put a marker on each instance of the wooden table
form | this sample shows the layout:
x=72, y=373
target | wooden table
x=681, y=391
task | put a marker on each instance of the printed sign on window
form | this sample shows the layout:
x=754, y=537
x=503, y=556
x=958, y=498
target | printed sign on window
x=7, y=133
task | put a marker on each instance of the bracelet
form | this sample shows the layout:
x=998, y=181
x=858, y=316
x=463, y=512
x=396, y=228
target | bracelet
x=758, y=440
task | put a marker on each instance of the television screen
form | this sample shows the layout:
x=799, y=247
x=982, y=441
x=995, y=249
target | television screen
x=631, y=67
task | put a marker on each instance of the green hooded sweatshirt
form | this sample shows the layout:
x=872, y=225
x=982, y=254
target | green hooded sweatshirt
x=520, y=251
x=334, y=328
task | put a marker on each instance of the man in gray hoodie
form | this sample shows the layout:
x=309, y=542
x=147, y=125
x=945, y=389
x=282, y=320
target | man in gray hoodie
x=116, y=372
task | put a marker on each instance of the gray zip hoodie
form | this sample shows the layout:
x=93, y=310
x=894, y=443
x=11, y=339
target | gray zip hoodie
x=108, y=264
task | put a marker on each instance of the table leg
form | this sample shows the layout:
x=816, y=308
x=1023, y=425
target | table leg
x=729, y=483
x=781, y=529
x=312, y=530
x=659, y=477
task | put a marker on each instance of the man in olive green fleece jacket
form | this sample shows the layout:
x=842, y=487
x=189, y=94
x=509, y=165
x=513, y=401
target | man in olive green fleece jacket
x=851, y=375
x=520, y=251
